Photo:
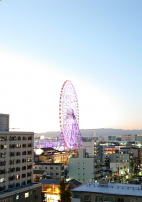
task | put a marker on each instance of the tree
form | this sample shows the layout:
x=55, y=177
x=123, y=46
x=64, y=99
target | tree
x=37, y=178
x=65, y=195
x=43, y=197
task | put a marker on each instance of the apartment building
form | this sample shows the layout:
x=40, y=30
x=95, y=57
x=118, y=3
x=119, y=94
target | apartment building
x=16, y=165
x=55, y=170
x=16, y=160
x=84, y=167
x=107, y=192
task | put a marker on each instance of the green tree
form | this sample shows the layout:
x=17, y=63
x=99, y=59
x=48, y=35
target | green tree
x=65, y=195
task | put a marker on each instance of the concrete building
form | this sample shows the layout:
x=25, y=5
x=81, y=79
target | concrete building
x=120, y=163
x=79, y=169
x=128, y=138
x=55, y=170
x=4, y=122
x=107, y=192
x=16, y=167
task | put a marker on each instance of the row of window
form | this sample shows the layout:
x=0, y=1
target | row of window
x=11, y=162
x=4, y=138
x=11, y=146
x=13, y=169
x=25, y=195
x=18, y=153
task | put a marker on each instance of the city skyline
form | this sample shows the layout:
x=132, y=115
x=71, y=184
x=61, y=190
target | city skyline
x=95, y=45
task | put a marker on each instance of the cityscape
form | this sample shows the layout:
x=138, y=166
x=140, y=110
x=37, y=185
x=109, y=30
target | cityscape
x=70, y=106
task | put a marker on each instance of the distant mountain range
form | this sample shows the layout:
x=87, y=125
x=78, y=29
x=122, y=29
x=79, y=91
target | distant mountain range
x=90, y=132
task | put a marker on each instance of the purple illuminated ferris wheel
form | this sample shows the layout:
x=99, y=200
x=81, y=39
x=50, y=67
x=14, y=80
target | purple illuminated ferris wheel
x=70, y=136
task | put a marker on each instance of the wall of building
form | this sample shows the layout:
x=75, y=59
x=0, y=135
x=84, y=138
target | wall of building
x=16, y=158
x=56, y=171
x=81, y=168
x=129, y=138
x=4, y=122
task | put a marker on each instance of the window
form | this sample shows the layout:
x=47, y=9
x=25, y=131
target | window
x=17, y=177
x=57, y=168
x=45, y=167
x=18, y=138
x=30, y=138
x=18, y=146
x=24, y=145
x=17, y=196
x=57, y=173
x=51, y=168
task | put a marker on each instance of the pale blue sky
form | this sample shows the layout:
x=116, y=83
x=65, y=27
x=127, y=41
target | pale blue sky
x=95, y=41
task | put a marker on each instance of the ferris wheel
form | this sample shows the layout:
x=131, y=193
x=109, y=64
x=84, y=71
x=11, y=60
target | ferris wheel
x=69, y=116
x=68, y=103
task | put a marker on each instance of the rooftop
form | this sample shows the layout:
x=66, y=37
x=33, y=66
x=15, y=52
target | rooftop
x=15, y=133
x=111, y=188
x=74, y=182
x=19, y=189
x=48, y=181
x=52, y=164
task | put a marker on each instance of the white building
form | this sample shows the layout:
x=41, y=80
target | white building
x=128, y=138
x=85, y=167
x=107, y=192
x=55, y=170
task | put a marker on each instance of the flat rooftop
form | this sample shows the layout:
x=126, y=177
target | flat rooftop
x=19, y=189
x=112, y=188
x=15, y=133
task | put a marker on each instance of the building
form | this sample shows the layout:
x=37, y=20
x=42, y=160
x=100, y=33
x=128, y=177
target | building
x=107, y=192
x=72, y=184
x=107, y=138
x=54, y=170
x=50, y=155
x=16, y=165
x=119, y=163
x=51, y=190
x=84, y=168
x=128, y=138
x=4, y=122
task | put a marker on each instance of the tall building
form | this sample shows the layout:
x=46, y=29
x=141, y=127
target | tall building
x=16, y=166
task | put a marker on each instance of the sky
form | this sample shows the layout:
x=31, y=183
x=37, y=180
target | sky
x=97, y=45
